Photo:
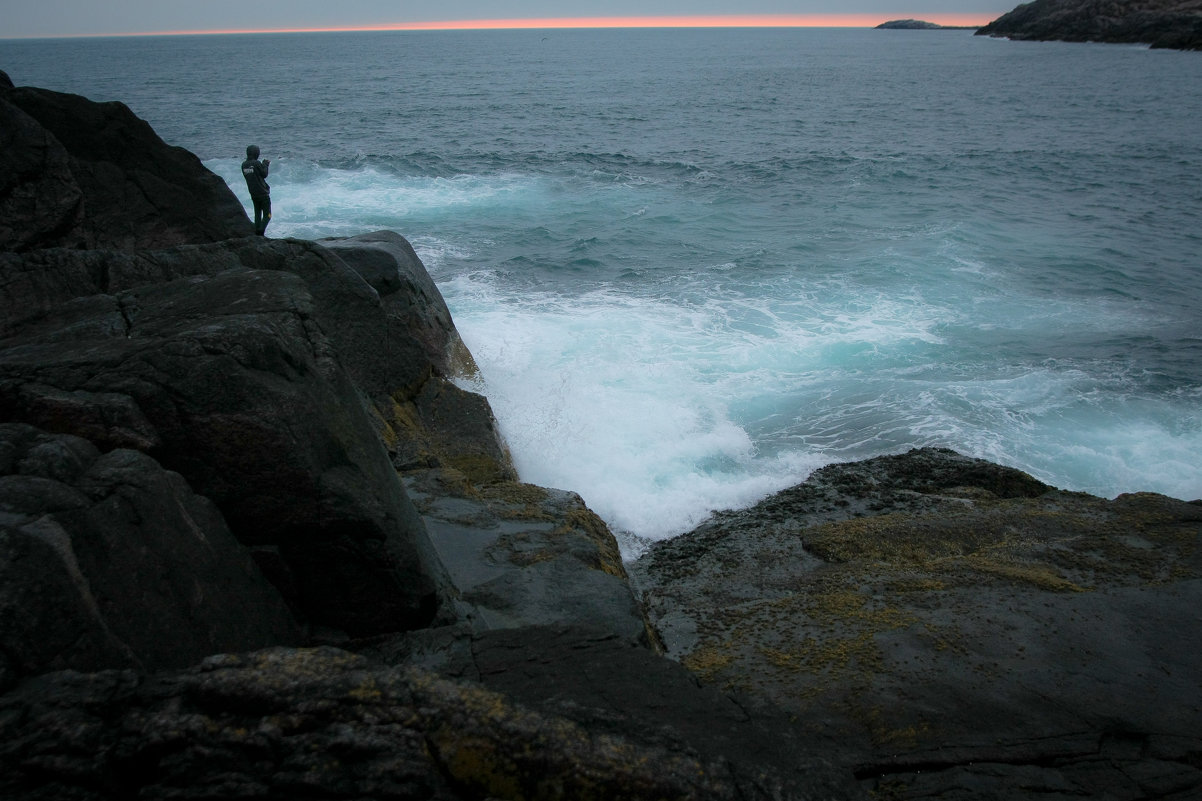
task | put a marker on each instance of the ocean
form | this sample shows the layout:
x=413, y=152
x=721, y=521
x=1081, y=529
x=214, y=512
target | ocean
x=694, y=265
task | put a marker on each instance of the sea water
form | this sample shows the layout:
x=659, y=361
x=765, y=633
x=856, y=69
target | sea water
x=695, y=265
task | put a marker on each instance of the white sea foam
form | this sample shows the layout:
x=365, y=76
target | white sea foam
x=659, y=411
x=621, y=399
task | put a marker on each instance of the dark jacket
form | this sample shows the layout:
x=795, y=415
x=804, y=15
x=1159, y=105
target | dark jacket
x=254, y=171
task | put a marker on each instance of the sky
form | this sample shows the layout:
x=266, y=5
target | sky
x=45, y=18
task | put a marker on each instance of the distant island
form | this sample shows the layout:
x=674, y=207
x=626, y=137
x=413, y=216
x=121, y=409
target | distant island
x=1174, y=24
x=921, y=25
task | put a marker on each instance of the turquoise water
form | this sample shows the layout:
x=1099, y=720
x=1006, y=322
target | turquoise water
x=694, y=265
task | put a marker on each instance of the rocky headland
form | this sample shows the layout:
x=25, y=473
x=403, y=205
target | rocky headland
x=258, y=541
x=1175, y=24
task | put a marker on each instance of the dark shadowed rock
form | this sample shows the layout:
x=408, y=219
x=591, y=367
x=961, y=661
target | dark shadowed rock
x=1160, y=23
x=40, y=201
x=297, y=724
x=456, y=429
x=273, y=376
x=959, y=627
x=80, y=174
x=111, y=561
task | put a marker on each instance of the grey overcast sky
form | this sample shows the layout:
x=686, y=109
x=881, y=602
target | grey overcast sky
x=34, y=18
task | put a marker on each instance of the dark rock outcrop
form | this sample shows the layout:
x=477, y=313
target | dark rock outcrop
x=79, y=174
x=224, y=373
x=110, y=561
x=957, y=626
x=1173, y=24
x=215, y=359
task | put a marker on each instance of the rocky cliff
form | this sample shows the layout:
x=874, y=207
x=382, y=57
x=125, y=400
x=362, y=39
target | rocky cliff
x=215, y=444
x=1160, y=23
x=257, y=541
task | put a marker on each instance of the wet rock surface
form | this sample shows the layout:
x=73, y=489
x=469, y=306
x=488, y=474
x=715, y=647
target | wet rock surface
x=956, y=625
x=521, y=555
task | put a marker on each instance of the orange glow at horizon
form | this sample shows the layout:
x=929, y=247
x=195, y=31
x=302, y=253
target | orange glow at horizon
x=695, y=21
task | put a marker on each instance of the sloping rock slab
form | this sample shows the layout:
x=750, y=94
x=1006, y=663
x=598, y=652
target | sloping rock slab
x=389, y=264
x=956, y=624
x=520, y=555
x=611, y=686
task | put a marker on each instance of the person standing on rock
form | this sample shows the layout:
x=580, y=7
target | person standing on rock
x=255, y=173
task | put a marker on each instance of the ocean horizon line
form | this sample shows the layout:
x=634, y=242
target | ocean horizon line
x=560, y=23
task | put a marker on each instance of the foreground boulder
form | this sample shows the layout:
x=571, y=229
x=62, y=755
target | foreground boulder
x=1173, y=24
x=80, y=174
x=960, y=628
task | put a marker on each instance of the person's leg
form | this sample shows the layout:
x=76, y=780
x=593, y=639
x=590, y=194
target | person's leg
x=262, y=214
